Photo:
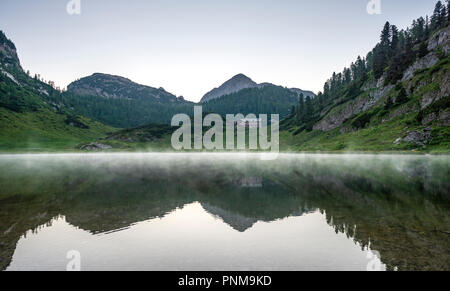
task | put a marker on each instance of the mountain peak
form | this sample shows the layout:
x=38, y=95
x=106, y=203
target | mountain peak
x=233, y=85
x=241, y=77
x=8, y=53
x=117, y=87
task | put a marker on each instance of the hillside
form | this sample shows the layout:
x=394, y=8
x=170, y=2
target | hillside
x=116, y=87
x=267, y=99
x=395, y=99
x=241, y=94
x=119, y=102
x=29, y=118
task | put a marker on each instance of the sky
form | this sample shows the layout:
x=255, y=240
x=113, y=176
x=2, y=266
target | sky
x=189, y=47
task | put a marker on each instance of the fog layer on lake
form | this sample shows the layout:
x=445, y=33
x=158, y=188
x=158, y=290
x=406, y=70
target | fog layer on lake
x=225, y=212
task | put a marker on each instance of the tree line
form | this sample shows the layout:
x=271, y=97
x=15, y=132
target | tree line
x=395, y=52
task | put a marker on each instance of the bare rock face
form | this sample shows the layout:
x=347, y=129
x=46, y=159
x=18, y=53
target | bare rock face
x=442, y=118
x=337, y=118
x=235, y=84
x=424, y=63
x=438, y=44
x=11, y=77
x=441, y=38
x=8, y=52
x=361, y=104
x=441, y=92
x=95, y=146
x=416, y=137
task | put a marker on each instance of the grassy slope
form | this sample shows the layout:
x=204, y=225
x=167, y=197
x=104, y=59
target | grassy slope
x=44, y=131
x=384, y=128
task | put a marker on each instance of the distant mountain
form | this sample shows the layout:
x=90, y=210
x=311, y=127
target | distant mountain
x=122, y=103
x=233, y=85
x=241, y=82
x=263, y=99
x=116, y=87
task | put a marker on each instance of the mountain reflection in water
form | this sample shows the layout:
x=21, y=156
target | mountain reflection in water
x=224, y=211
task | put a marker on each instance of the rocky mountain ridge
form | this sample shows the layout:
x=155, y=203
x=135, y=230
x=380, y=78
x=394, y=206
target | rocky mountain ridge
x=241, y=82
x=117, y=87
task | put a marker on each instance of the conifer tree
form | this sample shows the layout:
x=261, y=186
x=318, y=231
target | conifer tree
x=427, y=27
x=423, y=50
x=402, y=97
x=388, y=103
x=386, y=35
x=395, y=38
x=436, y=18
x=308, y=109
x=301, y=109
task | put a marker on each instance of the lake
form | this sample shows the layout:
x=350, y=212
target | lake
x=224, y=212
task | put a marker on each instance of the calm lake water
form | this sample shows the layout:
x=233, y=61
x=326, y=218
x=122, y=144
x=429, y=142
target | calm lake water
x=225, y=212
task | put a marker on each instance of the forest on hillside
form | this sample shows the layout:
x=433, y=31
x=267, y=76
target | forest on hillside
x=395, y=52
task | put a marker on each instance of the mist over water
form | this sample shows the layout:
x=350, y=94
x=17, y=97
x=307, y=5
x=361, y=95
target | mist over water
x=211, y=211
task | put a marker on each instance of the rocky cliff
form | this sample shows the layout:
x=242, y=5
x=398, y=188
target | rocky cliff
x=8, y=52
x=375, y=92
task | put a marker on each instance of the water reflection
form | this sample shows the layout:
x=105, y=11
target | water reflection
x=206, y=211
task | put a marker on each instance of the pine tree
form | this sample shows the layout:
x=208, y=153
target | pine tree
x=308, y=109
x=301, y=109
x=326, y=90
x=379, y=61
x=293, y=110
x=427, y=27
x=388, y=103
x=402, y=97
x=395, y=38
x=386, y=35
x=436, y=18
x=410, y=55
x=443, y=16
x=423, y=50
x=347, y=76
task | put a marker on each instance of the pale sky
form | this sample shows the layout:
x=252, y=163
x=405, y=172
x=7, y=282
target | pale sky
x=189, y=47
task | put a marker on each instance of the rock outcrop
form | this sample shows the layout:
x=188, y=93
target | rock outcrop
x=375, y=91
x=416, y=137
x=8, y=52
x=95, y=146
